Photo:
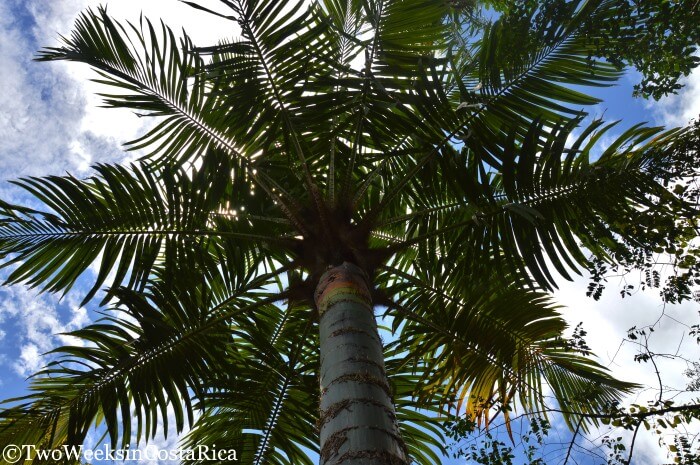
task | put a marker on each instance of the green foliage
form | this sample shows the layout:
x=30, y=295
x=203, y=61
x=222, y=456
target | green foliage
x=658, y=38
x=668, y=419
x=660, y=234
x=131, y=221
x=494, y=451
x=683, y=453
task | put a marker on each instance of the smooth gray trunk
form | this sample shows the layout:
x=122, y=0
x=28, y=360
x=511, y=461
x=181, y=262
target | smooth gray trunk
x=358, y=421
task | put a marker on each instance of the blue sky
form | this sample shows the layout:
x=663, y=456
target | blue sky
x=50, y=124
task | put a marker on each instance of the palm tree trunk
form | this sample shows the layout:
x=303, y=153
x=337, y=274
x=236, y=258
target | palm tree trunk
x=358, y=421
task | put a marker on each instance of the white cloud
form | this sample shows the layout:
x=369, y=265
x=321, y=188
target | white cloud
x=678, y=110
x=29, y=360
x=41, y=106
x=53, y=18
x=50, y=120
x=37, y=324
x=607, y=322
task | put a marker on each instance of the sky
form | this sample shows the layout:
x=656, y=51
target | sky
x=50, y=123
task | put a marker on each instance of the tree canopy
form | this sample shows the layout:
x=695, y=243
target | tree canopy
x=440, y=157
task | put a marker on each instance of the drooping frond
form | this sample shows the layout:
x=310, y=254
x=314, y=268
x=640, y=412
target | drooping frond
x=264, y=404
x=422, y=423
x=130, y=371
x=483, y=348
x=266, y=407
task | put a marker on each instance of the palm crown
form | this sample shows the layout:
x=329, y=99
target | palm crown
x=410, y=144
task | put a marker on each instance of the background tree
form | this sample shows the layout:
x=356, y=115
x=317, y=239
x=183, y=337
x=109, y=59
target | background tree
x=658, y=39
x=668, y=417
x=287, y=190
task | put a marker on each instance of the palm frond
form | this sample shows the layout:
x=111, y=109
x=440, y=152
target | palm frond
x=131, y=223
x=401, y=39
x=482, y=346
x=150, y=74
x=422, y=423
x=500, y=87
x=153, y=76
x=264, y=405
x=537, y=79
x=547, y=204
x=129, y=370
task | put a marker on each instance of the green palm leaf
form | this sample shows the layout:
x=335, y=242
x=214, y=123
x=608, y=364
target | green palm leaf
x=263, y=405
x=548, y=203
x=132, y=223
x=482, y=346
x=130, y=370
x=150, y=74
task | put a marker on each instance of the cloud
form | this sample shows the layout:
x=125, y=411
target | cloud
x=52, y=18
x=607, y=322
x=36, y=322
x=50, y=120
x=42, y=105
x=679, y=109
x=29, y=360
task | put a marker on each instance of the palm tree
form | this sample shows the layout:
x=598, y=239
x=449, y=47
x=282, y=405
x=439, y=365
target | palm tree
x=288, y=193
